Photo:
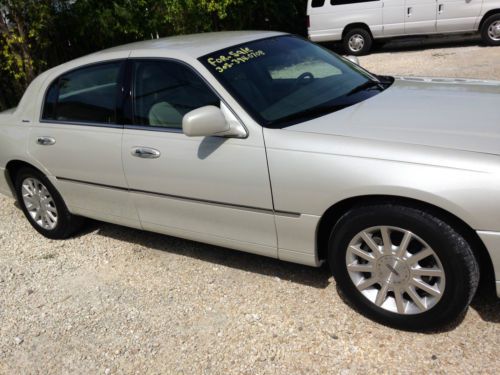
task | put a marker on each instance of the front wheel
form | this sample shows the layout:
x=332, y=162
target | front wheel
x=490, y=31
x=403, y=267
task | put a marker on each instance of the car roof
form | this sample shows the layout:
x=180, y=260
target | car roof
x=195, y=45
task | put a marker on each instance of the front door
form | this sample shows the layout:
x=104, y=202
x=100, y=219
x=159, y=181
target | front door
x=420, y=17
x=458, y=15
x=211, y=189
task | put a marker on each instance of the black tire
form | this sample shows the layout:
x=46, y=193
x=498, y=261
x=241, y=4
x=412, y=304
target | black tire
x=67, y=224
x=485, y=30
x=460, y=267
x=366, y=38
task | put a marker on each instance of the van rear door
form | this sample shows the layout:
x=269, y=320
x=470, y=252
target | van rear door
x=457, y=15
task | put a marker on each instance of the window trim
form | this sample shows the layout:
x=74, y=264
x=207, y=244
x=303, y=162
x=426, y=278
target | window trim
x=119, y=98
x=128, y=105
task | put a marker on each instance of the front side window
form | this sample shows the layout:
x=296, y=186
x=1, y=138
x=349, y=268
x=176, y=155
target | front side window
x=87, y=95
x=285, y=80
x=164, y=91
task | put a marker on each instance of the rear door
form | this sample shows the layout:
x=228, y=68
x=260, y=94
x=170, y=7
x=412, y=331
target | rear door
x=77, y=139
x=457, y=15
x=420, y=16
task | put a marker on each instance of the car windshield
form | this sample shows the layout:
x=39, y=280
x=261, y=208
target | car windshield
x=285, y=80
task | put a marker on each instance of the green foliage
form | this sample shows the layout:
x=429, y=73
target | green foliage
x=38, y=34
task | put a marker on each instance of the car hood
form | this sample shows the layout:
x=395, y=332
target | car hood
x=456, y=114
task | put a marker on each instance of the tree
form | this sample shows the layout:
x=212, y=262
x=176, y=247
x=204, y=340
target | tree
x=38, y=34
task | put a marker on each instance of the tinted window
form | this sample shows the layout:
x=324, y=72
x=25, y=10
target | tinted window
x=84, y=95
x=343, y=2
x=164, y=91
x=317, y=3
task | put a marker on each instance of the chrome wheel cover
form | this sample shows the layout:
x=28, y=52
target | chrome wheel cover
x=494, y=31
x=356, y=42
x=39, y=203
x=396, y=270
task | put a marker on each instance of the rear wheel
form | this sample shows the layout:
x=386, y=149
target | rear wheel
x=43, y=206
x=357, y=42
x=490, y=31
x=402, y=266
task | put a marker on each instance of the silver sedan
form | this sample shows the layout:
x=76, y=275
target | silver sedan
x=266, y=143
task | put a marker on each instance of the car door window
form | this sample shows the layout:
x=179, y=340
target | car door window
x=87, y=95
x=164, y=91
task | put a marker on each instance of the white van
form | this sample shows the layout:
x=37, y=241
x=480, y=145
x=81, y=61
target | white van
x=357, y=23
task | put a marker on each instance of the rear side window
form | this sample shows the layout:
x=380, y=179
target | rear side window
x=317, y=3
x=86, y=95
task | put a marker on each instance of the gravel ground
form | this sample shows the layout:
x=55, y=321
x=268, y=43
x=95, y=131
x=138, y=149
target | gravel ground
x=445, y=57
x=117, y=300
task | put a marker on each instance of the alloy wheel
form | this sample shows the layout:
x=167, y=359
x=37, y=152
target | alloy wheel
x=39, y=203
x=395, y=269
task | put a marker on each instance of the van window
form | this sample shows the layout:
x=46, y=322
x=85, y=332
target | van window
x=317, y=3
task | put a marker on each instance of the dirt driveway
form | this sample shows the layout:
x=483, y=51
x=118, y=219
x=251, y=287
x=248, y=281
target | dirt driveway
x=117, y=300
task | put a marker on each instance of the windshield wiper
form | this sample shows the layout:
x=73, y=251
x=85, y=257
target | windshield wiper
x=365, y=86
x=308, y=114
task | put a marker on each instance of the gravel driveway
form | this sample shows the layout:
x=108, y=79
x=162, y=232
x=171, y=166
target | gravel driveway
x=117, y=300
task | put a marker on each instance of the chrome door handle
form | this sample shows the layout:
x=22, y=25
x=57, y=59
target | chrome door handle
x=409, y=11
x=145, y=153
x=441, y=8
x=46, y=141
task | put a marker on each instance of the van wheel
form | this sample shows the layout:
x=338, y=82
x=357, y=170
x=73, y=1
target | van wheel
x=43, y=206
x=490, y=31
x=402, y=266
x=357, y=42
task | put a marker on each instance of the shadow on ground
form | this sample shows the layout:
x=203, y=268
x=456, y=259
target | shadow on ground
x=485, y=303
x=309, y=276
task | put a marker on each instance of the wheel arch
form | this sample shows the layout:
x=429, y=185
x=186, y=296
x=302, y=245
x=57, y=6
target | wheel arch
x=355, y=25
x=486, y=16
x=335, y=212
x=11, y=170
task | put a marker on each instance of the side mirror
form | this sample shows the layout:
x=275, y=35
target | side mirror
x=212, y=121
x=353, y=59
